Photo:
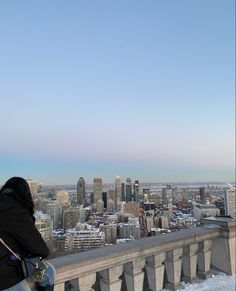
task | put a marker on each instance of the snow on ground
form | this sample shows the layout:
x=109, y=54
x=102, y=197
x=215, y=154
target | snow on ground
x=218, y=282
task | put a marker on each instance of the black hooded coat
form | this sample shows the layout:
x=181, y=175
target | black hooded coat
x=18, y=231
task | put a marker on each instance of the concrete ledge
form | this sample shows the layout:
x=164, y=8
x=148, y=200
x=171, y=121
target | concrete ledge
x=79, y=264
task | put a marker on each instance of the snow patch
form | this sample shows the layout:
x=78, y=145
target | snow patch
x=218, y=282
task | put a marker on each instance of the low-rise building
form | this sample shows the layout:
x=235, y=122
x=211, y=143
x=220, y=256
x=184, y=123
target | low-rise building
x=88, y=239
x=110, y=231
x=129, y=230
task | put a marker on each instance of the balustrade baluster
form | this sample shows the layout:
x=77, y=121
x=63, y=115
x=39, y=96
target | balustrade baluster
x=110, y=279
x=86, y=282
x=155, y=271
x=173, y=268
x=204, y=259
x=189, y=263
x=59, y=287
x=134, y=274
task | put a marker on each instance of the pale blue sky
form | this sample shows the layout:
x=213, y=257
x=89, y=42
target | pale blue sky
x=103, y=88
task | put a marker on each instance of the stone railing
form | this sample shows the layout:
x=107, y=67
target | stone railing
x=151, y=263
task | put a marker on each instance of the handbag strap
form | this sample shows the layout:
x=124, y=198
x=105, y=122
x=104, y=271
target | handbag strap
x=6, y=246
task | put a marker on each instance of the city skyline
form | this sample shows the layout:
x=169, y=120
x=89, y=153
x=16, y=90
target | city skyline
x=89, y=183
x=140, y=90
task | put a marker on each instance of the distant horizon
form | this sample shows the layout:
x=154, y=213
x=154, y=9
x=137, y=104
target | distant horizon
x=166, y=183
x=142, y=182
x=89, y=180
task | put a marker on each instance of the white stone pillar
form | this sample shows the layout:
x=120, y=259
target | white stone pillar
x=86, y=282
x=155, y=271
x=110, y=279
x=173, y=268
x=189, y=263
x=204, y=259
x=134, y=274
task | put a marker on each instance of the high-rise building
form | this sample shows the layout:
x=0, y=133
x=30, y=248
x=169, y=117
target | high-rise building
x=230, y=202
x=202, y=195
x=97, y=189
x=164, y=196
x=71, y=217
x=100, y=206
x=81, y=214
x=128, y=190
x=111, y=194
x=118, y=192
x=104, y=199
x=175, y=194
x=91, y=198
x=53, y=210
x=81, y=189
x=136, y=191
x=123, y=195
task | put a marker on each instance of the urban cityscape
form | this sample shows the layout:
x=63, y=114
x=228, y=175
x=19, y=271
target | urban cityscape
x=83, y=217
x=180, y=226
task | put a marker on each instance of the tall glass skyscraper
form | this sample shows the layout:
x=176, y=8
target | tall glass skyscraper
x=81, y=189
x=128, y=188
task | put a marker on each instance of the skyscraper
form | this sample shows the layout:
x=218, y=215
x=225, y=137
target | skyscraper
x=128, y=189
x=53, y=210
x=164, y=196
x=123, y=191
x=81, y=189
x=136, y=191
x=97, y=189
x=118, y=188
x=104, y=199
x=111, y=194
x=202, y=195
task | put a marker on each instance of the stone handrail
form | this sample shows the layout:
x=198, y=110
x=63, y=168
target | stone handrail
x=128, y=266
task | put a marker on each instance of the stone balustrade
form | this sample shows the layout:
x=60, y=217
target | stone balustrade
x=151, y=263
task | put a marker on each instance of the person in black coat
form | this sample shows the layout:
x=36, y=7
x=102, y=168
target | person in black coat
x=18, y=231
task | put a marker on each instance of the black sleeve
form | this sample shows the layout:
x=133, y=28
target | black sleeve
x=27, y=235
